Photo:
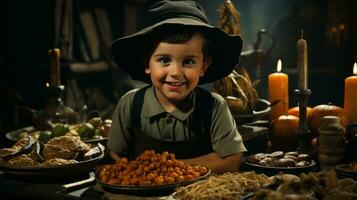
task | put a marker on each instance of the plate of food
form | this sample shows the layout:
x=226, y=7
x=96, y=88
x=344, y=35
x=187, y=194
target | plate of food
x=93, y=131
x=347, y=170
x=260, y=110
x=60, y=157
x=236, y=185
x=279, y=162
x=149, y=174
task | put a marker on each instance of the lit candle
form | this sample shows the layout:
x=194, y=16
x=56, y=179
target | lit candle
x=301, y=48
x=351, y=97
x=278, y=93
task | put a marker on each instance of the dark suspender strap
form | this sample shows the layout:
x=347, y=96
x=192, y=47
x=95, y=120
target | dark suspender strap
x=202, y=115
x=136, y=107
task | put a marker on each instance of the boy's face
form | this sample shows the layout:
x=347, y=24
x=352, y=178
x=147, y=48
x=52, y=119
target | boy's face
x=175, y=69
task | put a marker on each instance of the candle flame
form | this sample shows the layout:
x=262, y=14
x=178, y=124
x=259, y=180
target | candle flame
x=278, y=66
x=355, y=69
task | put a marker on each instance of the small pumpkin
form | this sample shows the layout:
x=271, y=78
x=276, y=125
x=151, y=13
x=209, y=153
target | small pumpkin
x=284, y=136
x=295, y=111
x=322, y=110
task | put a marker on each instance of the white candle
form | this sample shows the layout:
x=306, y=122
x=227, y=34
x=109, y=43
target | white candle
x=301, y=48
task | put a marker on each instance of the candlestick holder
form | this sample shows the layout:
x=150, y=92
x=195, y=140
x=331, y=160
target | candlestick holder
x=303, y=130
x=54, y=111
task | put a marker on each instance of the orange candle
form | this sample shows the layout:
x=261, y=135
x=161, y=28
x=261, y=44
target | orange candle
x=351, y=97
x=278, y=93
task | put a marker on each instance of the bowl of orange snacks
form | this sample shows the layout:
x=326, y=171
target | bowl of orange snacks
x=150, y=173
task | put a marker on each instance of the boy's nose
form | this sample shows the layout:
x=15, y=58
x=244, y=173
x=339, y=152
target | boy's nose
x=175, y=70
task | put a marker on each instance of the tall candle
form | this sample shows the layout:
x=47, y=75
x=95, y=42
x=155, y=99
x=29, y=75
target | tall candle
x=54, y=63
x=301, y=48
x=278, y=93
x=351, y=97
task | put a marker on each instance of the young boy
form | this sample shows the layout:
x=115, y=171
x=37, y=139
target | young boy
x=176, y=53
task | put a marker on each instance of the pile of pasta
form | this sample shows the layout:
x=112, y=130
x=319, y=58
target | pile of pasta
x=150, y=168
x=226, y=186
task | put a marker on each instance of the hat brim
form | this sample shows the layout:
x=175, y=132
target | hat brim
x=225, y=53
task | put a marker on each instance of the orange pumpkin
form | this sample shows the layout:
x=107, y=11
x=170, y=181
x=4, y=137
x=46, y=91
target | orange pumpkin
x=322, y=110
x=295, y=111
x=284, y=136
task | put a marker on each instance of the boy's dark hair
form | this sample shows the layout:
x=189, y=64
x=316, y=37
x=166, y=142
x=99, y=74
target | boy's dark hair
x=174, y=36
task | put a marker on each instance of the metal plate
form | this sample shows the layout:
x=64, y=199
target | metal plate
x=261, y=109
x=271, y=171
x=52, y=172
x=345, y=171
x=14, y=136
x=244, y=197
x=156, y=190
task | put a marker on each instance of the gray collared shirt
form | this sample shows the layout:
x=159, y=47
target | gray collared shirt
x=174, y=126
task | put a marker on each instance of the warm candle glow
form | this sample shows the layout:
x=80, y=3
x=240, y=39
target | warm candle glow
x=350, y=101
x=278, y=86
x=278, y=66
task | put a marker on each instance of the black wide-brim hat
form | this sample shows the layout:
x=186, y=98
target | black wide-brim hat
x=225, y=54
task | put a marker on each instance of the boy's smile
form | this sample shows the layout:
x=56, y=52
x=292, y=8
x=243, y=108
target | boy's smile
x=175, y=70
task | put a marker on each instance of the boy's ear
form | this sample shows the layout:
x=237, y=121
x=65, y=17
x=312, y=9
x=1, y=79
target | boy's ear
x=147, y=70
x=206, y=64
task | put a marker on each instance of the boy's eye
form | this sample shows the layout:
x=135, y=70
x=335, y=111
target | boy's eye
x=188, y=62
x=164, y=60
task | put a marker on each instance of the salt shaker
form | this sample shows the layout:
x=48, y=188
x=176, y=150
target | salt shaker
x=331, y=142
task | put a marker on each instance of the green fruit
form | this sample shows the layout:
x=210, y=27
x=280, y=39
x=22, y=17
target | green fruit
x=60, y=129
x=45, y=136
x=86, y=130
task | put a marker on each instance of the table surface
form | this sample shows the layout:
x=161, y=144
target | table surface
x=85, y=188
x=18, y=189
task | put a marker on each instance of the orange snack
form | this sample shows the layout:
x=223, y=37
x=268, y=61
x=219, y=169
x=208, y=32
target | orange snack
x=150, y=168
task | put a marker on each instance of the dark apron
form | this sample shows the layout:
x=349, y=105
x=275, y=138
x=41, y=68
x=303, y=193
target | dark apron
x=199, y=145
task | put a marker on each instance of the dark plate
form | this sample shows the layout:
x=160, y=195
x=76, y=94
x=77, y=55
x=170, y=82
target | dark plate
x=244, y=197
x=14, y=136
x=271, y=171
x=261, y=109
x=102, y=141
x=52, y=172
x=345, y=171
x=156, y=190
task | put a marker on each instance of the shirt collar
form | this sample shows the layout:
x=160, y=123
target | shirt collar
x=152, y=106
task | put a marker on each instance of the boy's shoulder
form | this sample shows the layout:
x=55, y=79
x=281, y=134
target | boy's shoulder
x=129, y=96
x=130, y=93
x=218, y=97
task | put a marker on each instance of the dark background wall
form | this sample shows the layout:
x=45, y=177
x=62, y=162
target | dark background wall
x=27, y=32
